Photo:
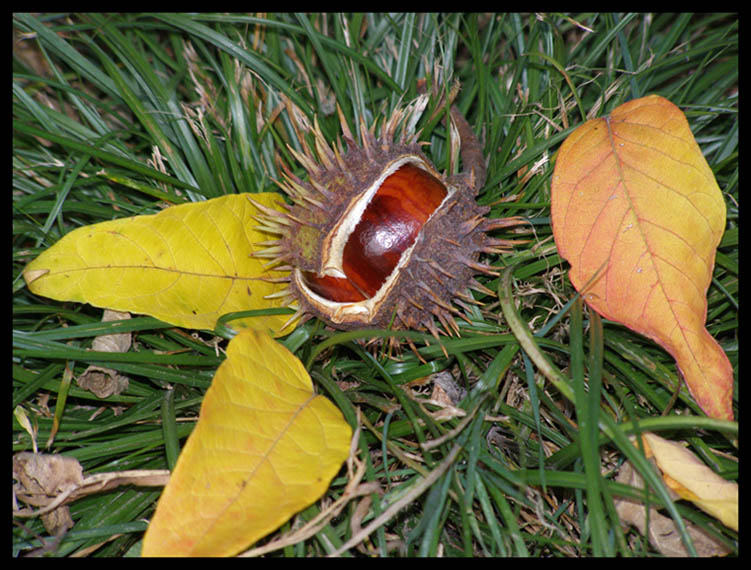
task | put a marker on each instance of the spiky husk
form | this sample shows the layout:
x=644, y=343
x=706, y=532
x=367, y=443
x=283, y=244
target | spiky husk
x=433, y=285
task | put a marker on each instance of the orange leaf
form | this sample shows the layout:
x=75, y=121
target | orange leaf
x=264, y=448
x=638, y=214
x=187, y=265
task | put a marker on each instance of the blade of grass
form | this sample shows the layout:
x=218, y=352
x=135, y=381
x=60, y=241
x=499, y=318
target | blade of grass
x=169, y=426
x=587, y=412
x=104, y=156
x=614, y=431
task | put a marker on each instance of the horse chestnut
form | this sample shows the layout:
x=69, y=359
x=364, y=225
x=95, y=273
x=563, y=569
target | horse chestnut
x=376, y=236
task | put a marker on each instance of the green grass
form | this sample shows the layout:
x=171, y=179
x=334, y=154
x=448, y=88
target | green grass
x=120, y=115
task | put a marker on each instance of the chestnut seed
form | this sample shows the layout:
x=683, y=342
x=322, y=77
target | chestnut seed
x=337, y=289
x=387, y=228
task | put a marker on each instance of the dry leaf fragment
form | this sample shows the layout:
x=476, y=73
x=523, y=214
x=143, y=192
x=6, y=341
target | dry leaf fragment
x=662, y=532
x=23, y=419
x=39, y=478
x=104, y=382
x=693, y=481
x=58, y=520
x=446, y=389
x=119, y=342
x=52, y=481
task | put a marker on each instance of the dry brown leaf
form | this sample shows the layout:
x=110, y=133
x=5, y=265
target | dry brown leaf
x=42, y=476
x=446, y=385
x=53, y=481
x=105, y=382
x=39, y=478
x=119, y=342
x=662, y=532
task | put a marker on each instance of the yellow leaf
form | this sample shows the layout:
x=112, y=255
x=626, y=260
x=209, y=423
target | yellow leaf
x=693, y=481
x=264, y=448
x=662, y=531
x=187, y=265
x=638, y=214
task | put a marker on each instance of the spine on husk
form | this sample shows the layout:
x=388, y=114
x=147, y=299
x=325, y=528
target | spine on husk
x=430, y=286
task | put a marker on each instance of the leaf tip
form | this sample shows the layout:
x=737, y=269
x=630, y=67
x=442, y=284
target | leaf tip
x=31, y=275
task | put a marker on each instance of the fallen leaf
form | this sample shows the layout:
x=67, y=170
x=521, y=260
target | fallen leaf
x=104, y=382
x=662, y=532
x=265, y=447
x=444, y=382
x=119, y=342
x=52, y=481
x=39, y=478
x=187, y=265
x=42, y=475
x=22, y=417
x=693, y=481
x=638, y=214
